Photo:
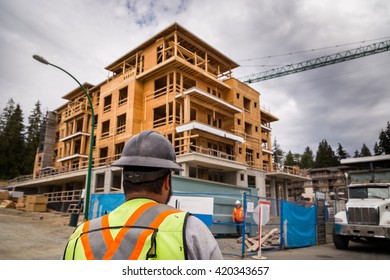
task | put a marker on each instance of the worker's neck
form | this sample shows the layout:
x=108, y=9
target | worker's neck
x=153, y=196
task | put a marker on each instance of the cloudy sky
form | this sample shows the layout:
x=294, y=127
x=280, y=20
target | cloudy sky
x=345, y=103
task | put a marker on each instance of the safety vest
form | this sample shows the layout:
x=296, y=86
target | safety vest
x=238, y=214
x=139, y=229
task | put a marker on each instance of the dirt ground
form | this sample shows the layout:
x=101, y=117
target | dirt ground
x=43, y=236
x=32, y=235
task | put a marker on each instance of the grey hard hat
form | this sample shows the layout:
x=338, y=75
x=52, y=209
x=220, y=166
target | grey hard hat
x=150, y=149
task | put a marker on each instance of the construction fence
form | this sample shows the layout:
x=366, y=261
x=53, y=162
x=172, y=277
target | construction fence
x=272, y=224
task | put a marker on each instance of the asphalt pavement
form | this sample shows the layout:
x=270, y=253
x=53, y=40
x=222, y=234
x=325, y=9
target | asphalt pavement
x=356, y=251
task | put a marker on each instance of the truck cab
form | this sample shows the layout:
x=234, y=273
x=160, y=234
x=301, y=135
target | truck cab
x=367, y=214
x=367, y=211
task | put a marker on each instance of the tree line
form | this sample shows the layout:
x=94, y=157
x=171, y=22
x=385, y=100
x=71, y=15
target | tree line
x=19, y=142
x=326, y=156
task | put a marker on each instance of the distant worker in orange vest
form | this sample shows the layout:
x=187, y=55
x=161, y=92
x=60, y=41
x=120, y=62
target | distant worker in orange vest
x=238, y=216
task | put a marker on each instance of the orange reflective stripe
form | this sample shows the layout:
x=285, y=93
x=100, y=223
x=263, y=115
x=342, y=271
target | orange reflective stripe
x=106, y=231
x=114, y=244
x=142, y=238
x=84, y=240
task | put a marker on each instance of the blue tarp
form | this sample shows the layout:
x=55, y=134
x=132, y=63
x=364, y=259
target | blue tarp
x=299, y=225
x=102, y=204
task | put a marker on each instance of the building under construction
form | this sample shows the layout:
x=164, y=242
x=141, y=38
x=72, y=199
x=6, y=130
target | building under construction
x=173, y=83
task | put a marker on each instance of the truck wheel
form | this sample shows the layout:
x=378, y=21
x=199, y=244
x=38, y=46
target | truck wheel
x=340, y=242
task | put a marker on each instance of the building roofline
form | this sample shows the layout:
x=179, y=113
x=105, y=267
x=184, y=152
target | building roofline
x=77, y=90
x=168, y=30
x=365, y=159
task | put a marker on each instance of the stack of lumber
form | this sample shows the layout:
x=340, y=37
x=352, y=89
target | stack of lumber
x=268, y=240
x=5, y=201
x=21, y=203
x=4, y=195
x=36, y=203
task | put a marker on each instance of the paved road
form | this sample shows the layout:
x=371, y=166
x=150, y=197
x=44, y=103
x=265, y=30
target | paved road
x=356, y=251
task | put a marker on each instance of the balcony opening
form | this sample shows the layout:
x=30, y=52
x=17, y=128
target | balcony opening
x=248, y=128
x=79, y=125
x=69, y=129
x=247, y=104
x=77, y=146
x=105, y=129
x=75, y=165
x=193, y=114
x=116, y=182
x=230, y=151
x=160, y=87
x=249, y=157
x=99, y=183
x=251, y=181
x=107, y=104
x=123, y=93
x=159, y=116
x=214, y=120
x=121, y=124
x=188, y=83
x=118, y=149
x=103, y=156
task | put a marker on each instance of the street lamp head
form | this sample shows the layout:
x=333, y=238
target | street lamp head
x=40, y=59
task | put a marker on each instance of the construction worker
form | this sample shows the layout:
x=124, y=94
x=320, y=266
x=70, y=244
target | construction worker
x=144, y=227
x=238, y=216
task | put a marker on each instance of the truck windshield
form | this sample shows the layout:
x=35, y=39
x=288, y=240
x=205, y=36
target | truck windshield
x=369, y=192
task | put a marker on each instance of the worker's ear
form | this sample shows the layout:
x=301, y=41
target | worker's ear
x=167, y=184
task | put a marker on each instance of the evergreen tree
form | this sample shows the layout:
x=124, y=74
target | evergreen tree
x=356, y=154
x=307, y=160
x=325, y=156
x=277, y=154
x=6, y=114
x=12, y=146
x=297, y=158
x=341, y=153
x=384, y=140
x=34, y=128
x=377, y=149
x=365, y=151
x=5, y=117
x=289, y=161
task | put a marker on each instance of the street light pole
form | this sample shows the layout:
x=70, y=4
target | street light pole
x=88, y=183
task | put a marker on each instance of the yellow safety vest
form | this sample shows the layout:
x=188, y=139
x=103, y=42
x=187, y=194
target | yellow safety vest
x=139, y=229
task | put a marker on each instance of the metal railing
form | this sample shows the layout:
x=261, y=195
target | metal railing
x=64, y=196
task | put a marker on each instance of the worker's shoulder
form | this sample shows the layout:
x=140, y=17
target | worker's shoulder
x=195, y=223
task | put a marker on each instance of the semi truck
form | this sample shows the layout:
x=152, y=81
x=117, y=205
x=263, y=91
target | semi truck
x=367, y=211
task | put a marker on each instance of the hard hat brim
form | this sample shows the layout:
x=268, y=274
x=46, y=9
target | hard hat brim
x=147, y=162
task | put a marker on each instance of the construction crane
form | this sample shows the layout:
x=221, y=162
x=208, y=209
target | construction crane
x=318, y=62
